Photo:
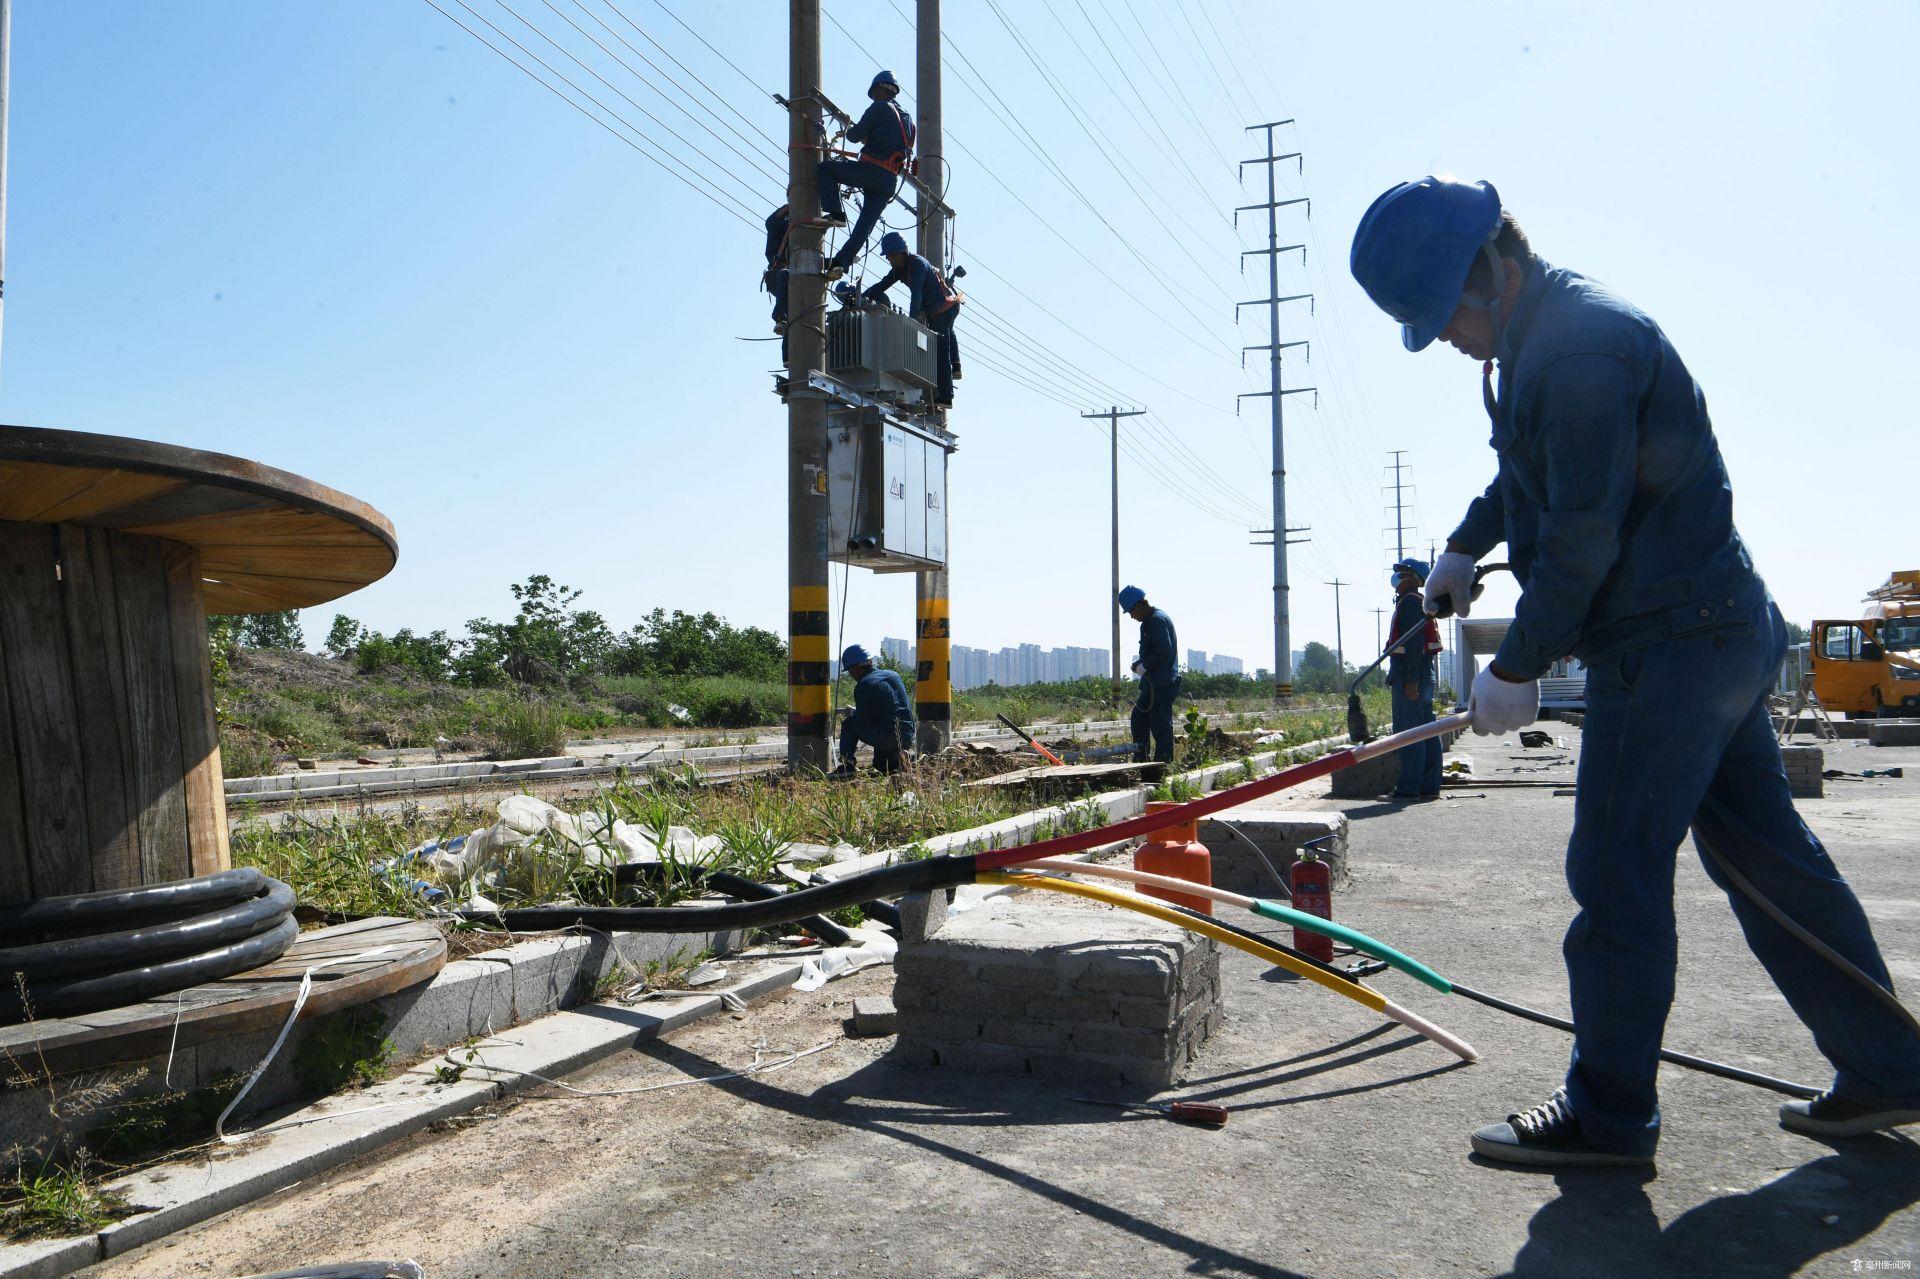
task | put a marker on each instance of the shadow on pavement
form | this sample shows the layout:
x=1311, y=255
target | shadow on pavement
x=904, y=1104
x=1603, y=1223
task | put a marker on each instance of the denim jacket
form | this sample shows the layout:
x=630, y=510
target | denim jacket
x=1159, y=649
x=1611, y=494
x=881, y=708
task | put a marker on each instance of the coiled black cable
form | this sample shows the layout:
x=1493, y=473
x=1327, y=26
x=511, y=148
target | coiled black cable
x=108, y=949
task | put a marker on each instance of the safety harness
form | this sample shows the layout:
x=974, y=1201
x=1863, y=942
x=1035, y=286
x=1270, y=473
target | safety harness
x=896, y=162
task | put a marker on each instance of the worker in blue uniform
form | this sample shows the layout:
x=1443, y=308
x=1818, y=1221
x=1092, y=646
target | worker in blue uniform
x=931, y=300
x=774, y=278
x=882, y=714
x=1618, y=517
x=885, y=134
x=1158, y=669
x=1410, y=681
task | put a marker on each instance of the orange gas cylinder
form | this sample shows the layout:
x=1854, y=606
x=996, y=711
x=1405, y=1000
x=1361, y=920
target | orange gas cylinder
x=1176, y=851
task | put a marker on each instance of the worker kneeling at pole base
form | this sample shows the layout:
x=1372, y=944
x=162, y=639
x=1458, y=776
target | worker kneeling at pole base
x=882, y=715
x=1414, y=645
x=1159, y=674
x=931, y=301
x=1618, y=517
x=885, y=134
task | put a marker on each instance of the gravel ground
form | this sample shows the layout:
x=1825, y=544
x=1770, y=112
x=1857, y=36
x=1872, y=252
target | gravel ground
x=1346, y=1155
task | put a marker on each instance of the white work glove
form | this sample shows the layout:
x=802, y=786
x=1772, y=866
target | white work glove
x=1500, y=706
x=1452, y=575
x=1137, y=668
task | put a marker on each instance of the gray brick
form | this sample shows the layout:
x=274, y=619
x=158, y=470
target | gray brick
x=922, y=914
x=1026, y=1034
x=1129, y=974
x=988, y=1059
x=914, y=1052
x=1145, y=1014
x=1118, y=1041
x=913, y=1024
x=1018, y=976
x=923, y=965
x=874, y=1015
x=1083, y=1068
x=1065, y=1007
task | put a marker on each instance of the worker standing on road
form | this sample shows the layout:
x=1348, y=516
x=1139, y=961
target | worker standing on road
x=1410, y=681
x=882, y=714
x=1618, y=518
x=1159, y=670
x=931, y=300
x=885, y=134
x=774, y=278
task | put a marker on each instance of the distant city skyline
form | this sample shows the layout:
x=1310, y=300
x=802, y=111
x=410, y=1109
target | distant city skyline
x=1037, y=664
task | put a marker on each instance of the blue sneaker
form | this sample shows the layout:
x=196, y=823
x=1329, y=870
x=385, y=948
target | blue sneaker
x=1548, y=1136
x=1831, y=1116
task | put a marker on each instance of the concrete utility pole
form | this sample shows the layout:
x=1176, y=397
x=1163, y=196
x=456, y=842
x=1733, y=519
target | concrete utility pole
x=1339, y=644
x=1282, y=624
x=933, y=627
x=810, y=663
x=1379, y=644
x=1113, y=416
x=1399, y=507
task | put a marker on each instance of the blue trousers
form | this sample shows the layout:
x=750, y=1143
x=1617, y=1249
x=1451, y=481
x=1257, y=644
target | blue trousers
x=888, y=748
x=1153, y=717
x=947, y=352
x=777, y=284
x=1677, y=736
x=876, y=187
x=1419, y=763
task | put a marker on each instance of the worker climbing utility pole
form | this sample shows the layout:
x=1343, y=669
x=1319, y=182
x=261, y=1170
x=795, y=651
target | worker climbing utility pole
x=1282, y=623
x=1113, y=414
x=1339, y=642
x=809, y=664
x=933, y=632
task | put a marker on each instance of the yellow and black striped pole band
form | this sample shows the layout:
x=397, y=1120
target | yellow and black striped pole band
x=933, y=678
x=809, y=661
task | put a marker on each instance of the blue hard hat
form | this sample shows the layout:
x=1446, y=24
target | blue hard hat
x=1419, y=568
x=1414, y=246
x=884, y=79
x=855, y=656
x=893, y=242
x=1129, y=596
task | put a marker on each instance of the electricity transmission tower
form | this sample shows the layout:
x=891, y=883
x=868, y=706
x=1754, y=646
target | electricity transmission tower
x=1276, y=390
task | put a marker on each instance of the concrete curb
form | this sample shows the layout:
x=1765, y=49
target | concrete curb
x=338, y=1129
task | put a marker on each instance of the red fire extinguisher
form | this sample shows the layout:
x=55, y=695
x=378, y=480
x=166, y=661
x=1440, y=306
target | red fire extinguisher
x=1311, y=882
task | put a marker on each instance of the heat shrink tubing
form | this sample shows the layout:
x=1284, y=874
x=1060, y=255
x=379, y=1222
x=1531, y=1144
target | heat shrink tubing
x=103, y=950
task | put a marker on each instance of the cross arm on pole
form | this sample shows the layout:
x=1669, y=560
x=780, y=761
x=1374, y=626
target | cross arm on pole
x=1272, y=204
x=1299, y=161
x=927, y=194
x=1291, y=297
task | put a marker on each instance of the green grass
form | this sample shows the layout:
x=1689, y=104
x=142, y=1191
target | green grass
x=55, y=1201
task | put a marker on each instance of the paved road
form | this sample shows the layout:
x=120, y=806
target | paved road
x=1346, y=1155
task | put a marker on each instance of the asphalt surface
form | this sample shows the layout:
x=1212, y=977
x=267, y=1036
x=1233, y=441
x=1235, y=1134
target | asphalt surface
x=1346, y=1154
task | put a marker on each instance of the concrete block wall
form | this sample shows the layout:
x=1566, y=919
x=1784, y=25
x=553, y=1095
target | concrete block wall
x=1804, y=764
x=1021, y=986
x=1280, y=837
x=1368, y=778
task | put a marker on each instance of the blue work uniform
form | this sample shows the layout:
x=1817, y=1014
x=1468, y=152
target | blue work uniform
x=933, y=302
x=1410, y=665
x=775, y=278
x=1618, y=516
x=882, y=717
x=1159, y=685
x=885, y=134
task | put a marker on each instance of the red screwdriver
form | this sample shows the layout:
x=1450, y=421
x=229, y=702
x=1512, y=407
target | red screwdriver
x=1186, y=1112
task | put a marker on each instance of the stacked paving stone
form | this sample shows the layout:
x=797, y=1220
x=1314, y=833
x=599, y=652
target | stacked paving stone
x=1368, y=778
x=1804, y=765
x=1022, y=986
x=1894, y=732
x=1279, y=837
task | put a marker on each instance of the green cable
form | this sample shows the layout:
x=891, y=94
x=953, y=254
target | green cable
x=1354, y=938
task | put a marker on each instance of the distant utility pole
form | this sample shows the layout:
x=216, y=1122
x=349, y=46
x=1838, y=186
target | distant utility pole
x=1113, y=416
x=1339, y=644
x=1379, y=644
x=1282, y=625
x=810, y=661
x=1399, y=505
x=933, y=627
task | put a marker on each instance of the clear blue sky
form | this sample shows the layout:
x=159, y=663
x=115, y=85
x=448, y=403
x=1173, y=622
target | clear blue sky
x=347, y=240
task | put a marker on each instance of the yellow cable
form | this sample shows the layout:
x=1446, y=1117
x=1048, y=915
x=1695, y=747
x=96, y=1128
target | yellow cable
x=1146, y=906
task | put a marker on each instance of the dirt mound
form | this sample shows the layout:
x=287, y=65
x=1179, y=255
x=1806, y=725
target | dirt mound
x=277, y=669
